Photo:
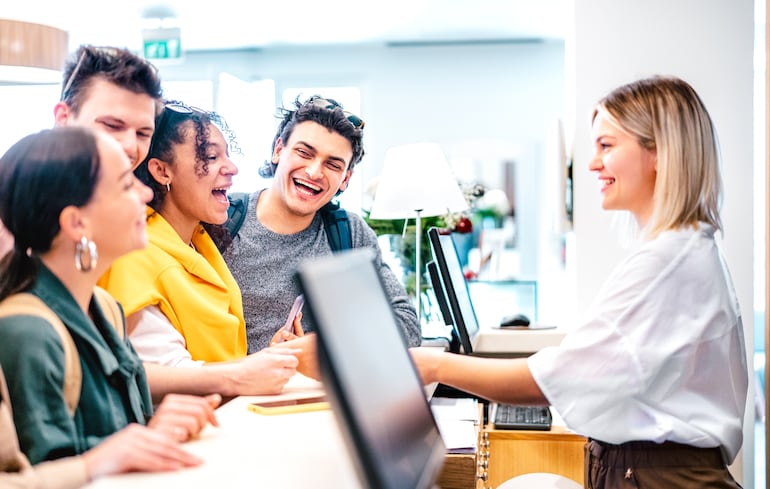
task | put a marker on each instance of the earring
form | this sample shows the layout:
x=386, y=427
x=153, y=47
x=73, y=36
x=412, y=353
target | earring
x=168, y=186
x=85, y=255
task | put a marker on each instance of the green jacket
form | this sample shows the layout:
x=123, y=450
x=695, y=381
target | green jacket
x=114, y=390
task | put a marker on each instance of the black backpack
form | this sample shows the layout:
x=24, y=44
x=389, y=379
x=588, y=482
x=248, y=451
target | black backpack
x=335, y=220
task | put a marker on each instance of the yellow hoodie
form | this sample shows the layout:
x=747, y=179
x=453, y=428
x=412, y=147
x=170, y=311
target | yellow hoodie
x=193, y=289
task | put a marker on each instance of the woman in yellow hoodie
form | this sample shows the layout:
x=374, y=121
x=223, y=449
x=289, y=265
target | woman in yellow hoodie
x=182, y=304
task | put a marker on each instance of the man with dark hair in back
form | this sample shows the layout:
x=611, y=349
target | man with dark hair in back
x=315, y=150
x=111, y=90
x=115, y=91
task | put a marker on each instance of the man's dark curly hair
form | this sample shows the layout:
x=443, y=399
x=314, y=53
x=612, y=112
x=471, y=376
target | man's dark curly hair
x=170, y=130
x=326, y=112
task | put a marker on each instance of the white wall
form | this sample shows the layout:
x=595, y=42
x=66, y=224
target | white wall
x=485, y=102
x=706, y=42
x=499, y=100
x=439, y=93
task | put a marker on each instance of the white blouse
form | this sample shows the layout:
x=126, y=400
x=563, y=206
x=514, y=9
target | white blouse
x=662, y=355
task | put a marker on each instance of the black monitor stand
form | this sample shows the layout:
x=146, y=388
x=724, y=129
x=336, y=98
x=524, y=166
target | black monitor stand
x=454, y=342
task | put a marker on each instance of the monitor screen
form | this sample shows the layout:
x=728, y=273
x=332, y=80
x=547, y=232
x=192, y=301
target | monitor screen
x=372, y=384
x=456, y=289
x=443, y=305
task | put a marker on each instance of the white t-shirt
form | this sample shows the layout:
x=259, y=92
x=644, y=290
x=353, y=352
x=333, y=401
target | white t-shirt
x=662, y=355
x=156, y=340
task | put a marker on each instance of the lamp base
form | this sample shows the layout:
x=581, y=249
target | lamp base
x=418, y=265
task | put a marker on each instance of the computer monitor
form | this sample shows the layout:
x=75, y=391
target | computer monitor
x=443, y=305
x=370, y=380
x=463, y=315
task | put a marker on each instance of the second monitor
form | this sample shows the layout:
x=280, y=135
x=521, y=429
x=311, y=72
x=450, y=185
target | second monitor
x=456, y=289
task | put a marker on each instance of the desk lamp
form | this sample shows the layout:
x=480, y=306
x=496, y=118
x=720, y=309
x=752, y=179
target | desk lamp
x=416, y=181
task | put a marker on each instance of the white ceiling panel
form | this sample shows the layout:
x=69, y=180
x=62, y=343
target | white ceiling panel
x=240, y=24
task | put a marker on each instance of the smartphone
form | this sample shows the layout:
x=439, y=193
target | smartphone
x=286, y=406
x=295, y=309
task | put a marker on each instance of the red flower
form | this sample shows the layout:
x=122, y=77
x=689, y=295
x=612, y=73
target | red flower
x=463, y=225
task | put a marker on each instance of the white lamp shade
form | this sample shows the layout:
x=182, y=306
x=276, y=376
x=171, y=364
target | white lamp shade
x=416, y=177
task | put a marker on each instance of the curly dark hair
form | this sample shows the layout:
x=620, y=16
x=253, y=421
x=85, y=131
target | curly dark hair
x=170, y=130
x=326, y=112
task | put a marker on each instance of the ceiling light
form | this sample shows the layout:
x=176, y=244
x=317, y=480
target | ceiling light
x=31, y=53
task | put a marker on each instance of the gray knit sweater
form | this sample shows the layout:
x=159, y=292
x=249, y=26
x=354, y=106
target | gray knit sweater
x=263, y=263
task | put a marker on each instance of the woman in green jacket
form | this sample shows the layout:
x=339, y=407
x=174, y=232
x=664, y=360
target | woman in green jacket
x=69, y=198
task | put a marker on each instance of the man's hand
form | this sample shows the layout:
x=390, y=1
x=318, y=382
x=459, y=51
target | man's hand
x=307, y=354
x=283, y=335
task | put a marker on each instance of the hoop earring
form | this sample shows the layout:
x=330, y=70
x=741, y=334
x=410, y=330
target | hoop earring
x=86, y=255
x=168, y=187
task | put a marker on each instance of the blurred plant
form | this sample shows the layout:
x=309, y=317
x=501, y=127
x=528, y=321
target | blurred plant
x=481, y=203
x=403, y=243
x=493, y=203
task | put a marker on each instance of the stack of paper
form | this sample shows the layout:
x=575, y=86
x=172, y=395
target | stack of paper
x=457, y=421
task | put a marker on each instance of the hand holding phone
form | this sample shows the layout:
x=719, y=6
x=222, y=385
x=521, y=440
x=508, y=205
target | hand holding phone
x=289, y=325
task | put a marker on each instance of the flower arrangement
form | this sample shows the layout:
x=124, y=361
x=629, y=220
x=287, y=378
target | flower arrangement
x=460, y=222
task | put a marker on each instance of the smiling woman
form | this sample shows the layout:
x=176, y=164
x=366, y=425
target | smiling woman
x=180, y=286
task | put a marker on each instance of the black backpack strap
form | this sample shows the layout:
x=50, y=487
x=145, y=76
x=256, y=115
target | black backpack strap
x=337, y=226
x=236, y=213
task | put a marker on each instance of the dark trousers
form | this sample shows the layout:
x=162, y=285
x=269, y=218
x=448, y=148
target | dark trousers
x=649, y=465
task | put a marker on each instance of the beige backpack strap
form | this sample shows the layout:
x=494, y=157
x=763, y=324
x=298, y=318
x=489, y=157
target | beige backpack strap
x=26, y=304
x=112, y=311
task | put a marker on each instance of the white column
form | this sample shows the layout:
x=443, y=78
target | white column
x=709, y=43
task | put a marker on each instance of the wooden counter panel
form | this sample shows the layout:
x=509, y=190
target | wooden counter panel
x=459, y=472
x=460, y=469
x=514, y=452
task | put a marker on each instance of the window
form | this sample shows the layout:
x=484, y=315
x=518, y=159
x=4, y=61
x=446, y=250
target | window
x=199, y=93
x=349, y=97
x=249, y=109
x=26, y=109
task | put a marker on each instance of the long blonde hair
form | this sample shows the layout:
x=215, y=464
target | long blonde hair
x=667, y=116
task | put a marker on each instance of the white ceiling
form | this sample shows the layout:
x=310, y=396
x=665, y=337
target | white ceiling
x=237, y=24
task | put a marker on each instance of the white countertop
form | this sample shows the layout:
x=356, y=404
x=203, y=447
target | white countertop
x=250, y=450
x=499, y=340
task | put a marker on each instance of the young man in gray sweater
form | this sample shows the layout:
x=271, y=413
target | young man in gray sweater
x=314, y=152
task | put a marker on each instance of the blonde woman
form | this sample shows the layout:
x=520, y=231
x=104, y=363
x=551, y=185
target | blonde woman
x=656, y=375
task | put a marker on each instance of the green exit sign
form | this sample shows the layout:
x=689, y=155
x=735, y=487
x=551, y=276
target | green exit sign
x=162, y=43
x=163, y=49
